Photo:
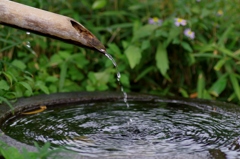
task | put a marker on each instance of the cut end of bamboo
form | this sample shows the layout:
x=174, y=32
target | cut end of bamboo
x=88, y=36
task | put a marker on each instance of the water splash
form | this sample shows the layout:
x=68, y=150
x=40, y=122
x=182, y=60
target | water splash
x=28, y=45
x=118, y=77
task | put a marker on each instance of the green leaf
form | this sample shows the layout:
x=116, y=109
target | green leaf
x=190, y=59
x=125, y=80
x=63, y=74
x=29, y=155
x=98, y=4
x=13, y=76
x=183, y=92
x=64, y=54
x=11, y=153
x=9, y=46
x=51, y=79
x=144, y=31
x=162, y=59
x=225, y=35
x=114, y=48
x=55, y=60
x=231, y=97
x=218, y=87
x=9, y=77
x=228, y=52
x=28, y=93
x=75, y=74
x=200, y=85
x=90, y=88
x=27, y=86
x=80, y=60
x=206, y=95
x=8, y=103
x=19, y=64
x=205, y=13
x=102, y=77
x=133, y=54
x=136, y=25
x=43, y=152
x=4, y=85
x=186, y=46
x=144, y=73
x=42, y=87
x=52, y=88
x=235, y=84
x=220, y=63
x=145, y=44
x=174, y=32
x=234, y=80
x=125, y=44
x=44, y=149
x=102, y=87
x=92, y=77
x=18, y=91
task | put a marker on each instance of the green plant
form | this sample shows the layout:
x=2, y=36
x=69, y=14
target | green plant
x=154, y=55
x=42, y=152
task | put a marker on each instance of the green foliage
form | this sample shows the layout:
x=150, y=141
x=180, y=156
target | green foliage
x=162, y=59
x=133, y=54
x=155, y=56
x=43, y=152
x=99, y=4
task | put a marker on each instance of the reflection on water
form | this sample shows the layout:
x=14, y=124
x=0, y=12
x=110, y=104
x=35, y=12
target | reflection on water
x=106, y=129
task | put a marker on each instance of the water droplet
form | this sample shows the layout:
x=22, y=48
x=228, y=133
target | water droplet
x=130, y=121
x=102, y=50
x=119, y=75
x=28, y=45
x=122, y=89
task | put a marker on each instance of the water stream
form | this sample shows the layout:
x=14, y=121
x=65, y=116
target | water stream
x=118, y=77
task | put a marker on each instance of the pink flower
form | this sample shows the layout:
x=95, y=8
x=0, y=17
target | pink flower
x=180, y=21
x=155, y=20
x=189, y=33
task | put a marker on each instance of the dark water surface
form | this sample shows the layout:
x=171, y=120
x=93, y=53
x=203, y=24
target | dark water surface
x=111, y=128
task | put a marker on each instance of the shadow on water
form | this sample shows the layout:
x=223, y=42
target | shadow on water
x=150, y=126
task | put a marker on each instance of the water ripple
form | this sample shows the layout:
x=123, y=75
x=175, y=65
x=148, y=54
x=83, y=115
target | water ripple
x=113, y=128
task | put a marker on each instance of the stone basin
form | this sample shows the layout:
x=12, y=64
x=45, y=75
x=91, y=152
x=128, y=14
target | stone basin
x=217, y=111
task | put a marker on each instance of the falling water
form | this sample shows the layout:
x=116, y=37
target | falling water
x=118, y=77
x=28, y=45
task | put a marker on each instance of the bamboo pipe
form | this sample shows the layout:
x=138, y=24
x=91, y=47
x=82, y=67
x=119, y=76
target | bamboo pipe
x=47, y=24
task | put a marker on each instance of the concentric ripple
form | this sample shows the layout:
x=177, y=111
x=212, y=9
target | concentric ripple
x=143, y=128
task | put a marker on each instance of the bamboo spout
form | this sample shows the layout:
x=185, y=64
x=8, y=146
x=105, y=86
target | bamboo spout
x=47, y=24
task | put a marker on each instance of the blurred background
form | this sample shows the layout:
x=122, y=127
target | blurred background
x=181, y=48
